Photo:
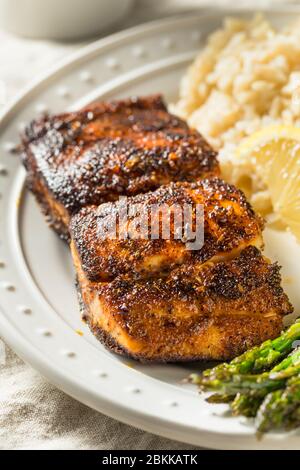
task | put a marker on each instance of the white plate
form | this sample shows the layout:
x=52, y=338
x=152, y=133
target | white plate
x=39, y=311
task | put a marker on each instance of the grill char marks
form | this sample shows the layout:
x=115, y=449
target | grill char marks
x=110, y=149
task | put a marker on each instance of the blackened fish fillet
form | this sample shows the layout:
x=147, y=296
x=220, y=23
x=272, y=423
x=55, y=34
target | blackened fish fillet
x=109, y=149
x=155, y=300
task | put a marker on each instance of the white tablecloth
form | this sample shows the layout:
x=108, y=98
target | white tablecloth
x=33, y=413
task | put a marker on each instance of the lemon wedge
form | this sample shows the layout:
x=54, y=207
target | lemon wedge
x=275, y=154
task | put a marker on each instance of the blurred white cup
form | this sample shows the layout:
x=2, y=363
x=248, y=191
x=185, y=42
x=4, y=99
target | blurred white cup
x=61, y=19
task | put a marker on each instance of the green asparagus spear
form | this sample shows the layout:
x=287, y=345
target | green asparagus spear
x=293, y=421
x=261, y=384
x=280, y=409
x=219, y=398
x=257, y=359
x=273, y=396
x=245, y=405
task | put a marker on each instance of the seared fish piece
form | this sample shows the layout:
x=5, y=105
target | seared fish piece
x=106, y=150
x=229, y=225
x=213, y=311
x=155, y=300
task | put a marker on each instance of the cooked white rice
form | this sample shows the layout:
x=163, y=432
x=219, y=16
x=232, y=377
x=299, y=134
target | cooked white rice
x=246, y=77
